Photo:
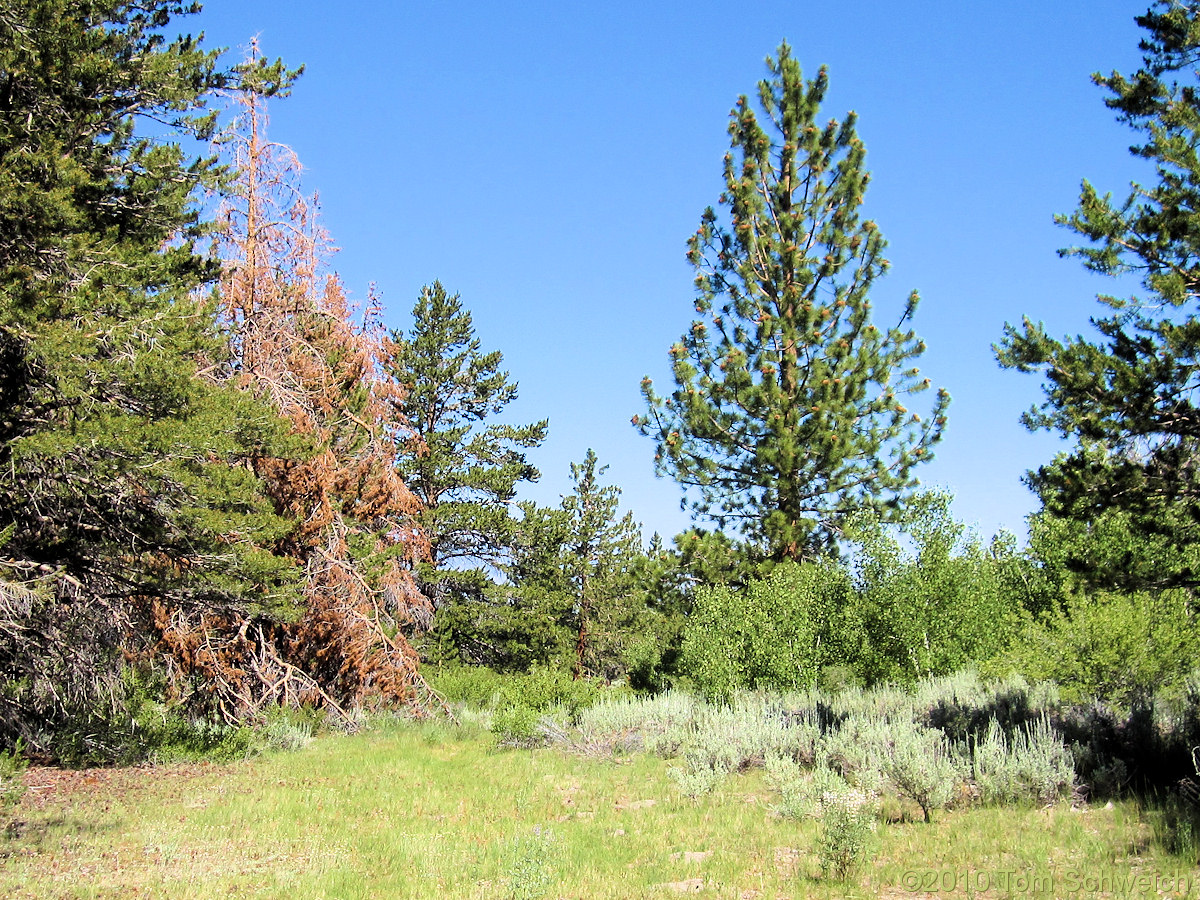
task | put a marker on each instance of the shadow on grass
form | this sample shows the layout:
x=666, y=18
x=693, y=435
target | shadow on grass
x=23, y=835
x=1142, y=749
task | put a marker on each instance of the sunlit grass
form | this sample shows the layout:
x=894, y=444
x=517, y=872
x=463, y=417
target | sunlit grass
x=436, y=812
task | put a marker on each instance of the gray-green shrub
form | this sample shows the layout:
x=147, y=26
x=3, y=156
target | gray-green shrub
x=923, y=766
x=1030, y=765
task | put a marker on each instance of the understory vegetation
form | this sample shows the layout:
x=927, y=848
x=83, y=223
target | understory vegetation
x=819, y=794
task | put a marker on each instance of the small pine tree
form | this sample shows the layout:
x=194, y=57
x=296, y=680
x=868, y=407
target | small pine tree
x=789, y=407
x=601, y=550
x=572, y=589
x=463, y=469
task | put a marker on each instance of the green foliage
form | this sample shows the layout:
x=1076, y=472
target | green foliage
x=530, y=861
x=546, y=689
x=661, y=590
x=712, y=557
x=1176, y=824
x=516, y=725
x=848, y=823
x=180, y=738
x=920, y=597
x=659, y=723
x=464, y=471
x=517, y=702
x=577, y=573
x=124, y=482
x=510, y=629
x=942, y=603
x=1127, y=397
x=726, y=739
x=794, y=785
x=165, y=732
x=1116, y=547
x=777, y=632
x=476, y=687
x=1114, y=647
x=697, y=779
x=943, y=742
x=576, y=590
x=1176, y=821
x=788, y=412
x=12, y=778
x=287, y=730
x=601, y=550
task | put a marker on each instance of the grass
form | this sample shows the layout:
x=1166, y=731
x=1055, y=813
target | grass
x=435, y=811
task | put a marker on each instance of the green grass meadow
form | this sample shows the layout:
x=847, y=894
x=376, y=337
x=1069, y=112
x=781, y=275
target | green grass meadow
x=435, y=810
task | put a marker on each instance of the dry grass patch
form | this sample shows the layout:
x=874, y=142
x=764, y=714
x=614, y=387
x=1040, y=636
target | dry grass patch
x=431, y=812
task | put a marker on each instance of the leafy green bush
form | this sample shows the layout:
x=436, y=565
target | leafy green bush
x=838, y=678
x=1112, y=647
x=179, y=738
x=777, y=632
x=931, y=597
x=516, y=725
x=523, y=702
x=477, y=687
x=848, y=822
x=547, y=689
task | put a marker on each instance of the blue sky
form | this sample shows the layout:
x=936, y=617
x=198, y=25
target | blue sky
x=548, y=161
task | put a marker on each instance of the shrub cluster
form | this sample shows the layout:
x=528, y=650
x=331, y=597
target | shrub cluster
x=924, y=597
x=951, y=740
x=525, y=710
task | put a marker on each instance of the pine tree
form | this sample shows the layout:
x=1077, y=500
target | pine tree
x=1121, y=507
x=571, y=593
x=464, y=470
x=789, y=407
x=122, y=492
x=296, y=344
x=600, y=553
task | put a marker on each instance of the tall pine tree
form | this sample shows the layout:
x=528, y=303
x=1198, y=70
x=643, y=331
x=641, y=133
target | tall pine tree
x=1121, y=507
x=789, y=406
x=463, y=468
x=122, y=493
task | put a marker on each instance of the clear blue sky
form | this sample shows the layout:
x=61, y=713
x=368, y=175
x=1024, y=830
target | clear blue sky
x=548, y=160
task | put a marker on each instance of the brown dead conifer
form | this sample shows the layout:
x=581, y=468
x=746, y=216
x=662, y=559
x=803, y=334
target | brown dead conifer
x=297, y=342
